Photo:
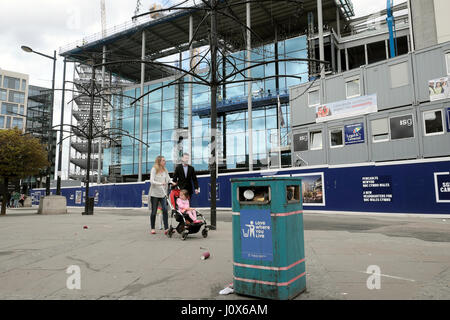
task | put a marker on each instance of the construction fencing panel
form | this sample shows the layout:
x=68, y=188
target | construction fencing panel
x=414, y=186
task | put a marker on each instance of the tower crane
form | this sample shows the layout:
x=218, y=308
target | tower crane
x=103, y=11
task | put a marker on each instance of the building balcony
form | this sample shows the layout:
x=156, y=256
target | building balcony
x=82, y=163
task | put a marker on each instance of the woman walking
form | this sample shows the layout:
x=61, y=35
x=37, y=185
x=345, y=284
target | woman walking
x=159, y=180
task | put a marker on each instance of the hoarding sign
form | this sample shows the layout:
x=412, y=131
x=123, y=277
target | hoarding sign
x=313, y=191
x=402, y=127
x=300, y=142
x=256, y=235
x=347, y=108
x=217, y=191
x=439, y=89
x=354, y=133
x=377, y=189
x=442, y=186
x=447, y=116
x=78, y=197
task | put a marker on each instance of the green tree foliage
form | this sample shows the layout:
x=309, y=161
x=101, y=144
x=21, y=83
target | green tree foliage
x=21, y=156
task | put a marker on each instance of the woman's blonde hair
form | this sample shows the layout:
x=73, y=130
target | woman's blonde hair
x=158, y=166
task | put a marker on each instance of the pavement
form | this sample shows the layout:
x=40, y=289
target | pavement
x=118, y=258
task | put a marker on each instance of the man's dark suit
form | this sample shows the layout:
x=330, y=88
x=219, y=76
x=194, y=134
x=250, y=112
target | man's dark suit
x=185, y=182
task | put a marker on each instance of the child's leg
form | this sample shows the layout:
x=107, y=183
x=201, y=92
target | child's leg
x=192, y=214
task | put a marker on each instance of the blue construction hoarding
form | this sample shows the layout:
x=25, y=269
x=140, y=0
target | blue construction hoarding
x=416, y=186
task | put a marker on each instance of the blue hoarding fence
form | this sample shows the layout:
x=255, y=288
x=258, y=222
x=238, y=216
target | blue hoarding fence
x=416, y=186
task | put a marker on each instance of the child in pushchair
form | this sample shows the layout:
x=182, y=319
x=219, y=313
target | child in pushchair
x=190, y=214
x=189, y=221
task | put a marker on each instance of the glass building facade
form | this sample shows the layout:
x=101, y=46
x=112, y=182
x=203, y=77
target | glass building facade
x=166, y=112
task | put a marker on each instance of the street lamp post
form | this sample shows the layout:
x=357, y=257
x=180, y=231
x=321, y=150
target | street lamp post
x=58, y=182
x=50, y=124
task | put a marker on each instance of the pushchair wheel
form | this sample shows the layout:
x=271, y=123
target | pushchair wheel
x=184, y=235
x=170, y=232
x=205, y=233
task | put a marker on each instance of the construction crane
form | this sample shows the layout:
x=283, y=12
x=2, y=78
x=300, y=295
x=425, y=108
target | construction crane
x=391, y=26
x=103, y=11
x=138, y=7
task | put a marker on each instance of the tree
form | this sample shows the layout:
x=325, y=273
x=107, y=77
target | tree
x=21, y=155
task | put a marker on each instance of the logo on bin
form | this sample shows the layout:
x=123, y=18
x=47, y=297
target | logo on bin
x=250, y=231
x=256, y=235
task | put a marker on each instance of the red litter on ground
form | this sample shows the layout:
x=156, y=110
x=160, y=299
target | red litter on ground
x=205, y=255
x=85, y=227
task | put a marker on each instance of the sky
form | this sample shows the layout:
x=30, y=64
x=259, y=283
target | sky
x=47, y=25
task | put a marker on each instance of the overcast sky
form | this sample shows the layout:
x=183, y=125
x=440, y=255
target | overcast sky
x=46, y=25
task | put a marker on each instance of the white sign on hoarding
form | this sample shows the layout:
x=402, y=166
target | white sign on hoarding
x=346, y=108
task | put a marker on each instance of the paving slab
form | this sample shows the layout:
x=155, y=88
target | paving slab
x=119, y=258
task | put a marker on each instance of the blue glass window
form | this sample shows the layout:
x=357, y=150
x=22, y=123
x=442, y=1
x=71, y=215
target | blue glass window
x=259, y=141
x=296, y=44
x=169, y=92
x=155, y=96
x=153, y=151
x=236, y=126
x=167, y=149
x=154, y=122
x=271, y=122
x=258, y=123
x=168, y=135
x=168, y=105
x=128, y=125
x=155, y=107
x=11, y=83
x=128, y=112
x=258, y=113
x=126, y=169
x=235, y=144
x=2, y=95
x=154, y=136
x=17, y=122
x=127, y=154
x=236, y=90
x=168, y=120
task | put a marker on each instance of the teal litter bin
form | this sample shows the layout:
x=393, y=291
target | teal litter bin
x=268, y=240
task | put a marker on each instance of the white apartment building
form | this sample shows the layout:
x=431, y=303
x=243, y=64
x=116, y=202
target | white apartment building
x=13, y=99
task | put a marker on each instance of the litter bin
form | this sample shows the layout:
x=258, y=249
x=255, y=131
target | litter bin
x=268, y=241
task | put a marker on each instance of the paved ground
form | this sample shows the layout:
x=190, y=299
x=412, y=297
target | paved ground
x=119, y=259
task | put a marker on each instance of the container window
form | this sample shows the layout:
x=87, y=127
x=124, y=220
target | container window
x=254, y=195
x=316, y=140
x=352, y=88
x=293, y=194
x=380, y=130
x=399, y=75
x=313, y=98
x=447, y=60
x=433, y=122
x=336, y=138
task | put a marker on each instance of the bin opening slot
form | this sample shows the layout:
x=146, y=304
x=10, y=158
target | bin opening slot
x=293, y=194
x=254, y=195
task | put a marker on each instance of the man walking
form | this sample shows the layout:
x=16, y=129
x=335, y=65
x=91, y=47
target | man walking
x=185, y=176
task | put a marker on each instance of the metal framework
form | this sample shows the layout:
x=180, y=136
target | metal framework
x=38, y=117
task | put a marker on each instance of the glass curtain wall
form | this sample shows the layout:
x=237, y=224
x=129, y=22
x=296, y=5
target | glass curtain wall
x=159, y=124
x=164, y=112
